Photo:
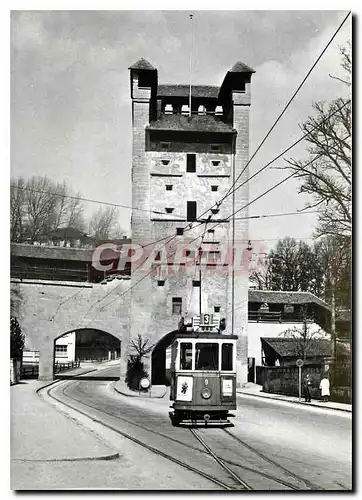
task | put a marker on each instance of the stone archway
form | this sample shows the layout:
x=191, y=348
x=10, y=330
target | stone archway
x=158, y=365
x=86, y=344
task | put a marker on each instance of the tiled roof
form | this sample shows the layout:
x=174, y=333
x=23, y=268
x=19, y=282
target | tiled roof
x=207, y=91
x=63, y=253
x=315, y=347
x=240, y=67
x=68, y=232
x=142, y=64
x=196, y=123
x=281, y=297
x=50, y=252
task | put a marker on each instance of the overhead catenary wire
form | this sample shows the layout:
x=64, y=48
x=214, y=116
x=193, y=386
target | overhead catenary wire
x=292, y=97
x=293, y=174
x=81, y=198
x=188, y=243
x=232, y=189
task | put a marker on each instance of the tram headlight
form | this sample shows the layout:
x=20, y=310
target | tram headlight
x=206, y=393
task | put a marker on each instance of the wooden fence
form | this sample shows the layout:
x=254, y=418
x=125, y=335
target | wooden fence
x=285, y=380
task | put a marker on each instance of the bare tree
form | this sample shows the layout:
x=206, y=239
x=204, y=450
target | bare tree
x=141, y=347
x=327, y=174
x=337, y=262
x=104, y=223
x=38, y=207
x=304, y=338
x=261, y=274
x=17, y=210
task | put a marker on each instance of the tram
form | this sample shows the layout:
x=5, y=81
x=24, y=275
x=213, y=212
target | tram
x=203, y=373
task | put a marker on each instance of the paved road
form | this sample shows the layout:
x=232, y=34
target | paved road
x=312, y=443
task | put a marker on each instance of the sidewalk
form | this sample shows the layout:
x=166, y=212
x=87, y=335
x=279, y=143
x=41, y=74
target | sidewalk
x=256, y=390
x=41, y=433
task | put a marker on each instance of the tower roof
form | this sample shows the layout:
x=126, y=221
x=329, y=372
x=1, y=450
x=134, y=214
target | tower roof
x=240, y=67
x=200, y=91
x=195, y=123
x=142, y=64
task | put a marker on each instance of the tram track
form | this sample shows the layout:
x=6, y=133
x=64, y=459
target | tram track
x=307, y=483
x=238, y=483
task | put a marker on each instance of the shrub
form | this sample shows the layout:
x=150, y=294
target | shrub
x=17, y=339
x=135, y=371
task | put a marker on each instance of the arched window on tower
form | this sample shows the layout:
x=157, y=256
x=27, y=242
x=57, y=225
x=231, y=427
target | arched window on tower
x=185, y=110
x=168, y=109
x=201, y=110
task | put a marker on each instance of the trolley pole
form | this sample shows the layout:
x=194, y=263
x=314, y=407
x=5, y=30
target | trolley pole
x=200, y=294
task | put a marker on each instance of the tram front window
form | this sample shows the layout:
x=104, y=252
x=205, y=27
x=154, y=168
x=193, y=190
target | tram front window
x=186, y=356
x=207, y=356
x=227, y=357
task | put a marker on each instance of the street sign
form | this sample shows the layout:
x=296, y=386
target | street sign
x=144, y=383
x=299, y=363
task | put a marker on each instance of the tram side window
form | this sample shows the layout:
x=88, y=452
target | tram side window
x=207, y=356
x=227, y=357
x=186, y=356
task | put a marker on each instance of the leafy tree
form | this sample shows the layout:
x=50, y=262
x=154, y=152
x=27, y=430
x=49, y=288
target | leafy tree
x=295, y=266
x=327, y=174
x=17, y=339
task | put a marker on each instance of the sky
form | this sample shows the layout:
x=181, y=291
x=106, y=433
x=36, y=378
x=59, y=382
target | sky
x=71, y=105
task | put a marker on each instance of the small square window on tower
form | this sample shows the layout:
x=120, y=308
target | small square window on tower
x=177, y=305
x=169, y=187
x=215, y=148
x=179, y=231
x=165, y=162
x=165, y=146
x=214, y=188
x=216, y=309
x=169, y=210
x=191, y=162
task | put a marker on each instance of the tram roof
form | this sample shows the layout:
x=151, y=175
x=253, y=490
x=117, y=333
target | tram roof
x=205, y=335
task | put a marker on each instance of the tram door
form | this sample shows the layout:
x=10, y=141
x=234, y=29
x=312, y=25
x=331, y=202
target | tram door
x=251, y=370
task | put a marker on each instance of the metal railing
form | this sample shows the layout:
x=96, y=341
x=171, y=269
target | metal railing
x=31, y=370
x=48, y=273
x=277, y=317
x=61, y=367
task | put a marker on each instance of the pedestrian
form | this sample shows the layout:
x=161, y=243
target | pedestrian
x=307, y=384
x=324, y=387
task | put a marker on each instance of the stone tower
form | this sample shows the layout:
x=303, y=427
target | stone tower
x=182, y=164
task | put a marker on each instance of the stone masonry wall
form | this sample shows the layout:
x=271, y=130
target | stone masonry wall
x=50, y=309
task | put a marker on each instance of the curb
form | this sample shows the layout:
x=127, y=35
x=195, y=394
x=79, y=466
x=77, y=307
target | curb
x=294, y=402
x=112, y=456
x=146, y=396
